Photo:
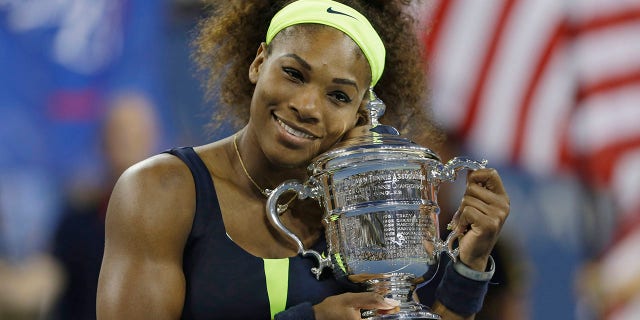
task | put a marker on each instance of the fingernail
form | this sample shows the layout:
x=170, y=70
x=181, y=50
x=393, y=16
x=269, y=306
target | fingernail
x=392, y=302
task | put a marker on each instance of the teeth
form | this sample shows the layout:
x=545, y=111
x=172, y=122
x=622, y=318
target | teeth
x=294, y=131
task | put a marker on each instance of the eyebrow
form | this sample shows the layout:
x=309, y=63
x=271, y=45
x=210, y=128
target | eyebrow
x=300, y=60
x=346, y=81
x=308, y=67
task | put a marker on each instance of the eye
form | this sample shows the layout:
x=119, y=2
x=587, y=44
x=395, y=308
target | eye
x=293, y=74
x=340, y=96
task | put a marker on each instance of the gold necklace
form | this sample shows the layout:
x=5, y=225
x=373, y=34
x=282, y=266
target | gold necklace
x=265, y=192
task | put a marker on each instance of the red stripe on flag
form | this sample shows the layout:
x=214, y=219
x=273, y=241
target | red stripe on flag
x=485, y=67
x=566, y=156
x=632, y=77
x=432, y=35
x=598, y=23
x=556, y=40
x=599, y=165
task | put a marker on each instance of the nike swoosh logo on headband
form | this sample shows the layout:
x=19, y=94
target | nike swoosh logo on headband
x=330, y=10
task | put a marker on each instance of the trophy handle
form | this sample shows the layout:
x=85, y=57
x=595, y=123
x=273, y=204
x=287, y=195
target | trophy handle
x=449, y=172
x=449, y=243
x=304, y=192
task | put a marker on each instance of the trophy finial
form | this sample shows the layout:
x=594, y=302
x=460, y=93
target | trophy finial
x=376, y=109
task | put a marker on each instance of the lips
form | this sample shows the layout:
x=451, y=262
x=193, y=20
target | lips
x=294, y=132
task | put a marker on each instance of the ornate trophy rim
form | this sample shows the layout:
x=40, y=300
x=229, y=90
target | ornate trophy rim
x=378, y=146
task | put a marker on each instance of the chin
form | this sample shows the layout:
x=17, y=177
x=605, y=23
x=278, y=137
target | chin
x=291, y=160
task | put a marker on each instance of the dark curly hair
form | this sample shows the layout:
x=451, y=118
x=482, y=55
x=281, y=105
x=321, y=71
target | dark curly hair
x=228, y=38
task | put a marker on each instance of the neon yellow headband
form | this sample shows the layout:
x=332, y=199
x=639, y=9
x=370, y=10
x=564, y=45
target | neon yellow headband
x=339, y=16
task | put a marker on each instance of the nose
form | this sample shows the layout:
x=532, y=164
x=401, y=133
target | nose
x=307, y=105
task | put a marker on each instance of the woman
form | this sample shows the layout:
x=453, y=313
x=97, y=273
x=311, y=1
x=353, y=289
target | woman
x=187, y=235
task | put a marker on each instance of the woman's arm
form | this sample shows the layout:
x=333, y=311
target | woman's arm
x=148, y=220
x=461, y=293
x=480, y=217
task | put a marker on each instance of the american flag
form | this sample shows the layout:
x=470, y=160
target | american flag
x=552, y=87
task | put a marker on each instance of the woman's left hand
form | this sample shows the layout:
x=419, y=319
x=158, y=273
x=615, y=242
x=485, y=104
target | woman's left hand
x=480, y=217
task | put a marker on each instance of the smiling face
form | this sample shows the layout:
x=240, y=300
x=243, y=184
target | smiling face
x=309, y=88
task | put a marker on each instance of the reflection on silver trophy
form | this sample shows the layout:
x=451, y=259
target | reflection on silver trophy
x=378, y=191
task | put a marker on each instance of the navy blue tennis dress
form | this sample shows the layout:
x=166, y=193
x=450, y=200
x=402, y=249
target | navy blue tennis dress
x=225, y=282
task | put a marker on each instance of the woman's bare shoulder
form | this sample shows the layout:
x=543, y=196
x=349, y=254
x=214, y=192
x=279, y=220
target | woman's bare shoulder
x=153, y=198
x=160, y=173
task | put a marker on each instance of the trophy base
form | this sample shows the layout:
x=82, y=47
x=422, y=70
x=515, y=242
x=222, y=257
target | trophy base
x=408, y=310
x=398, y=286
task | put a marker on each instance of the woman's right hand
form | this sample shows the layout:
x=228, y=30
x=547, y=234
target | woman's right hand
x=348, y=306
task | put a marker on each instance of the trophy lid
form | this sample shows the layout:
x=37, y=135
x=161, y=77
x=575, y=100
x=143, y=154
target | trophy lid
x=373, y=143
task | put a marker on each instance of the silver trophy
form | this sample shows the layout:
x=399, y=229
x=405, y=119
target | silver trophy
x=379, y=195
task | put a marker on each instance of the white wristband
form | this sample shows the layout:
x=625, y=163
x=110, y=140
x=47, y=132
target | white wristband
x=469, y=273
